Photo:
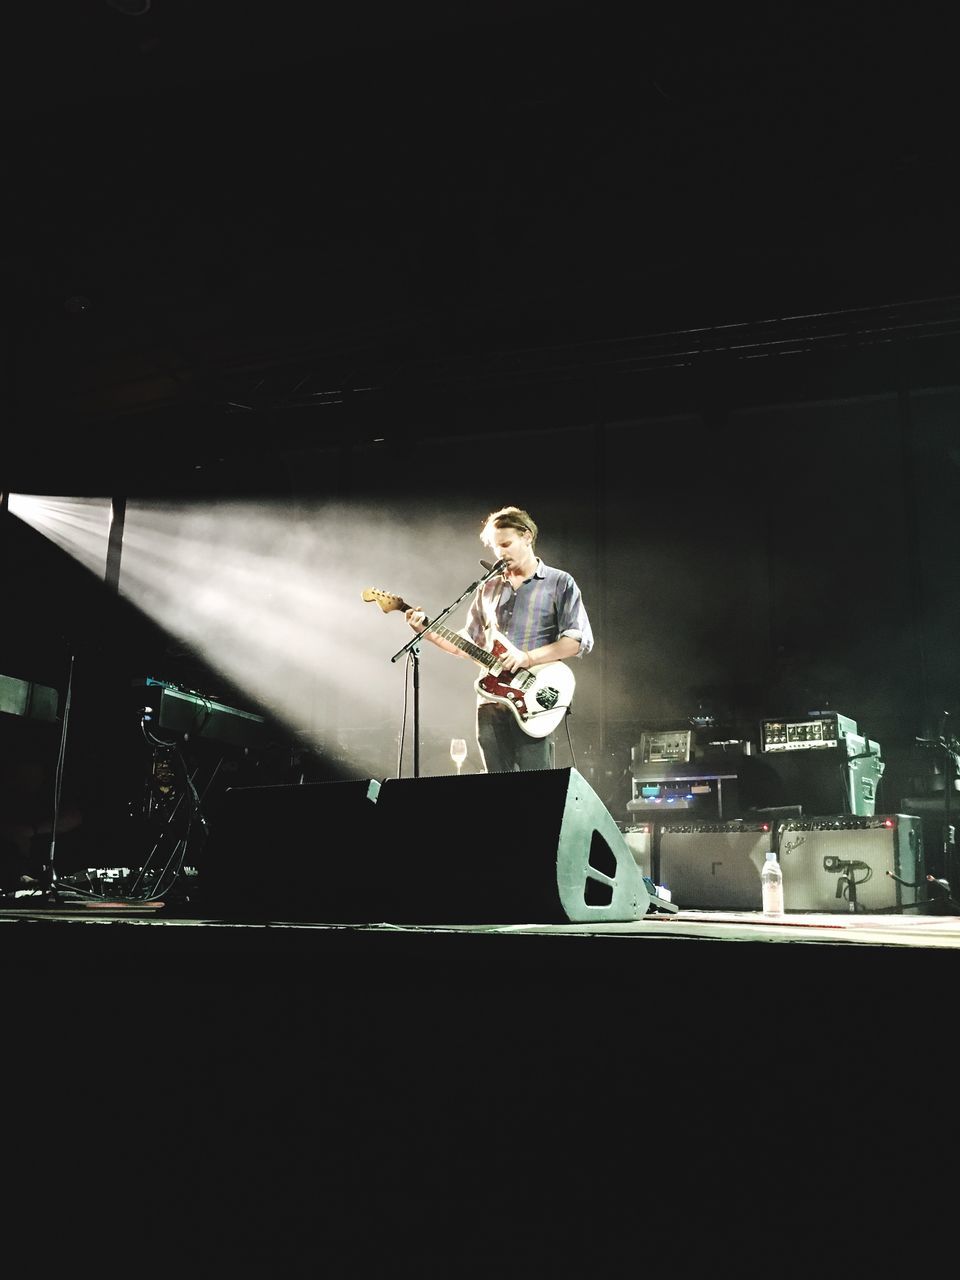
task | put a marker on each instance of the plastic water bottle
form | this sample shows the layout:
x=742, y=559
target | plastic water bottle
x=771, y=885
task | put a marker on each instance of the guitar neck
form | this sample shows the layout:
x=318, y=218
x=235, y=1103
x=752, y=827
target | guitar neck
x=471, y=650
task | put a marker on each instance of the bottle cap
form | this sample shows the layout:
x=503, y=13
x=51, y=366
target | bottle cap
x=770, y=856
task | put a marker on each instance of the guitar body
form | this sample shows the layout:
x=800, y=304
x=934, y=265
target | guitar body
x=538, y=696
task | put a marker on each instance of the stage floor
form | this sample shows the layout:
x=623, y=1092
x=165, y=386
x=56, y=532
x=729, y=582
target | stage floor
x=312, y=1086
x=902, y=929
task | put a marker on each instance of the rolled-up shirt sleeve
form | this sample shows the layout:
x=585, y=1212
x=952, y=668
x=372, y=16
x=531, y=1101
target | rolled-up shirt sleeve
x=572, y=617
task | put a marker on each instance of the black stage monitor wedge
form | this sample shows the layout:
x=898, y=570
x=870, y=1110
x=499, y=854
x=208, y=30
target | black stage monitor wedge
x=510, y=848
x=502, y=848
x=287, y=852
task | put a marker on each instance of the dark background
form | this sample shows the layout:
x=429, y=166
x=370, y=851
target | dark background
x=686, y=285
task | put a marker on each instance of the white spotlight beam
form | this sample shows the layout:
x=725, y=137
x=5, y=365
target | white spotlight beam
x=270, y=596
x=80, y=526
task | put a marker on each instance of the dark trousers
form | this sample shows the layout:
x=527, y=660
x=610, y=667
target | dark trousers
x=504, y=747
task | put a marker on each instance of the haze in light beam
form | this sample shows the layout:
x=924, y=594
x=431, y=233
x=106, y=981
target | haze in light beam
x=81, y=526
x=269, y=594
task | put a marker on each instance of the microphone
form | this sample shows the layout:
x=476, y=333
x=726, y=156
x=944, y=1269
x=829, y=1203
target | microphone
x=493, y=568
x=832, y=863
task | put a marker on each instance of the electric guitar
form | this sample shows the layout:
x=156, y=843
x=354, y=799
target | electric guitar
x=538, y=696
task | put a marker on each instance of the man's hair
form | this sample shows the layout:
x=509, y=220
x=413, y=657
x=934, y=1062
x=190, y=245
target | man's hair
x=508, y=518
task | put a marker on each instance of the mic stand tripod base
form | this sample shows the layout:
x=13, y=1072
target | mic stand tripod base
x=51, y=888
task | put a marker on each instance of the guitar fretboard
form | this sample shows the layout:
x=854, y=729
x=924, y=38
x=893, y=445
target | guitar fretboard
x=471, y=650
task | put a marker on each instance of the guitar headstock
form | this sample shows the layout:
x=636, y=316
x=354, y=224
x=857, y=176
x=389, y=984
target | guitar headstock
x=386, y=601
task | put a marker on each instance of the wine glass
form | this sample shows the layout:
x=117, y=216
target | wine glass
x=458, y=752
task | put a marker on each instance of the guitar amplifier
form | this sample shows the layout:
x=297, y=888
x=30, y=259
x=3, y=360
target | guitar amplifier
x=840, y=863
x=714, y=865
x=662, y=746
x=819, y=731
x=823, y=764
x=639, y=840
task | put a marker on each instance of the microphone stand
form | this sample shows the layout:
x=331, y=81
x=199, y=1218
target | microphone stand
x=413, y=648
x=51, y=891
x=950, y=748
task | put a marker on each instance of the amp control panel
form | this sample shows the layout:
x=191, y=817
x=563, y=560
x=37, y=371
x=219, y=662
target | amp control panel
x=823, y=730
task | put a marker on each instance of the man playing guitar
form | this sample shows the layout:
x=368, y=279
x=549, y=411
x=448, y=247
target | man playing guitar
x=538, y=617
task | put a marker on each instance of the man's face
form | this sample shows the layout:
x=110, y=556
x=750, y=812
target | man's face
x=511, y=545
